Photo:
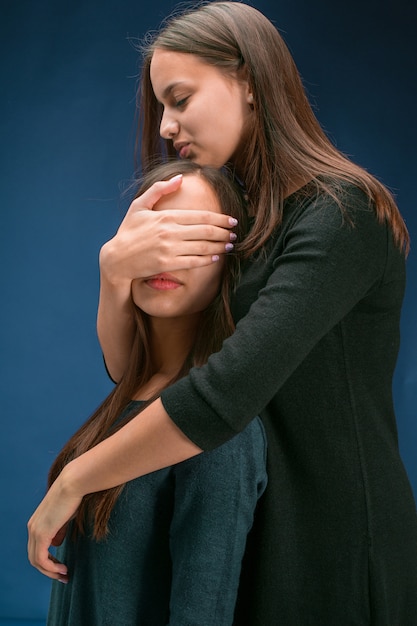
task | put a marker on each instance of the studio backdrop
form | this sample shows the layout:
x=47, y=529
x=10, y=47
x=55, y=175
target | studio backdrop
x=68, y=79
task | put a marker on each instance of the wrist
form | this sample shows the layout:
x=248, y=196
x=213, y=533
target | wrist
x=110, y=275
x=70, y=482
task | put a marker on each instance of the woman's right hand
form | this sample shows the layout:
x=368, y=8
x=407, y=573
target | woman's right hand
x=150, y=242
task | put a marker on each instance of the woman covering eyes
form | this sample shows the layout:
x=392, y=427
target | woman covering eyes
x=166, y=548
x=317, y=311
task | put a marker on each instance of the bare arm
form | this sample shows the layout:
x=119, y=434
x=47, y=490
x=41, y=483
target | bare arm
x=147, y=443
x=147, y=243
x=115, y=322
x=342, y=264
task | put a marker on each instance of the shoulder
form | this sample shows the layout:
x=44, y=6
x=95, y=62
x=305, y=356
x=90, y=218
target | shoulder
x=328, y=230
x=333, y=211
x=331, y=196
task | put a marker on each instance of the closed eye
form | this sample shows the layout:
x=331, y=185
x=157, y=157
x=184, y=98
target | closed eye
x=180, y=103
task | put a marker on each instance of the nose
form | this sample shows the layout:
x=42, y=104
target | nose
x=169, y=126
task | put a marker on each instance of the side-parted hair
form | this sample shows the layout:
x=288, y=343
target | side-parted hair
x=216, y=324
x=286, y=143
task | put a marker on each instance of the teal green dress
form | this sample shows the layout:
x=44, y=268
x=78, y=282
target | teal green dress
x=174, y=552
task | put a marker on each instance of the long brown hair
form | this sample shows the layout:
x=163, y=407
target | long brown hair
x=216, y=324
x=286, y=143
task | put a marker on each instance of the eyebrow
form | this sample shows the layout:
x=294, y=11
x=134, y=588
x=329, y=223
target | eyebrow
x=168, y=90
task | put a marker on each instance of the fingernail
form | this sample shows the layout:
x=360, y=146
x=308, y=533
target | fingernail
x=232, y=221
x=177, y=177
x=215, y=257
x=229, y=247
x=63, y=581
x=233, y=236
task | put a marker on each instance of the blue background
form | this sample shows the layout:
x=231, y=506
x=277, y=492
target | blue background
x=68, y=77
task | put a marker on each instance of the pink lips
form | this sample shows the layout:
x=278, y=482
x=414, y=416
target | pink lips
x=163, y=282
x=183, y=149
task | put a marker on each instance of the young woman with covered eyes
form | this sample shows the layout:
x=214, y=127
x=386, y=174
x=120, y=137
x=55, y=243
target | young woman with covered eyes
x=317, y=314
x=166, y=548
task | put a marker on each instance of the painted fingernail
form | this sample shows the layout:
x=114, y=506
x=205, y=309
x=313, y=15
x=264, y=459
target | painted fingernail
x=232, y=221
x=215, y=257
x=229, y=247
x=233, y=236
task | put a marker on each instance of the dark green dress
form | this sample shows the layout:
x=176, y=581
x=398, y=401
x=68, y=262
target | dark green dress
x=335, y=540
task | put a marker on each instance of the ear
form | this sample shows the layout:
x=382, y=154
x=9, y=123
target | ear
x=248, y=93
x=243, y=77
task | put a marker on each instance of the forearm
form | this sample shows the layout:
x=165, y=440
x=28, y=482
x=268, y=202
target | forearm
x=147, y=443
x=316, y=275
x=147, y=243
x=115, y=322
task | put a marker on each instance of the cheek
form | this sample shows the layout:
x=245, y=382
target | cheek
x=213, y=273
x=211, y=281
x=140, y=294
x=135, y=291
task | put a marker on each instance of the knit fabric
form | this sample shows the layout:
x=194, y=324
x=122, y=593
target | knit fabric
x=174, y=552
x=314, y=351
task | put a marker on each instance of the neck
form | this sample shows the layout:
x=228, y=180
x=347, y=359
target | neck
x=171, y=339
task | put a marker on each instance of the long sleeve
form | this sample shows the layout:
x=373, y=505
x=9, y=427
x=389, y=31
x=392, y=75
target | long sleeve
x=321, y=264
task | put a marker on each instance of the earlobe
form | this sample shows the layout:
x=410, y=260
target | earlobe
x=250, y=98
